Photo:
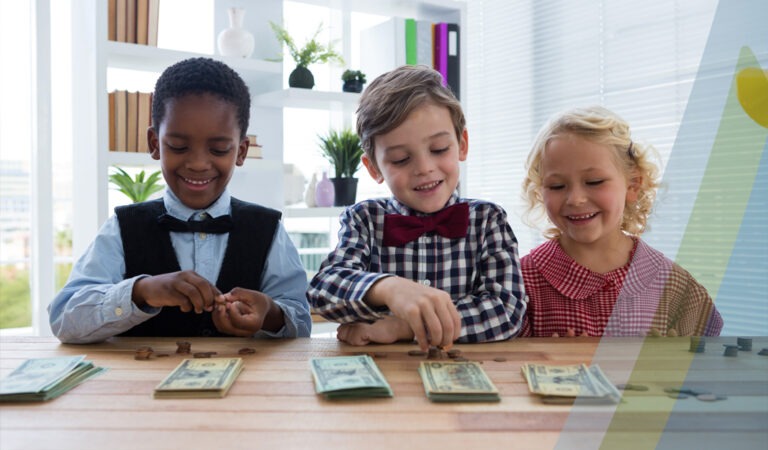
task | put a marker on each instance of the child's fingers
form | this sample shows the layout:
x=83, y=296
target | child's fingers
x=448, y=326
x=434, y=326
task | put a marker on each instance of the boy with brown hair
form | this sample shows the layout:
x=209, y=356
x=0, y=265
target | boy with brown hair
x=423, y=264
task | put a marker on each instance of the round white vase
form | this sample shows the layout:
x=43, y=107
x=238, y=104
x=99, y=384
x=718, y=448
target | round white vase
x=235, y=40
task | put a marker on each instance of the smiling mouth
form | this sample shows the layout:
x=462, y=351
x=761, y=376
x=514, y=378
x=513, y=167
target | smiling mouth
x=426, y=187
x=582, y=216
x=197, y=182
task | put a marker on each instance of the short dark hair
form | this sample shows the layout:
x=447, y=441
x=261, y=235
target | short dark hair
x=201, y=76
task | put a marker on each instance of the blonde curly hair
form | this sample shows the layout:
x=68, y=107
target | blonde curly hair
x=601, y=126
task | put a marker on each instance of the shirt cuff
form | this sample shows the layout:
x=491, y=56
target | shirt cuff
x=119, y=305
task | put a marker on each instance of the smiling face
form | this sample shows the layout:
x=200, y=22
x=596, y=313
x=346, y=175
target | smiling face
x=584, y=191
x=419, y=160
x=198, y=145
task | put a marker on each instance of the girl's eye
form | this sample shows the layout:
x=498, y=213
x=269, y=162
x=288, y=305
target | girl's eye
x=400, y=162
x=594, y=182
x=440, y=150
x=555, y=187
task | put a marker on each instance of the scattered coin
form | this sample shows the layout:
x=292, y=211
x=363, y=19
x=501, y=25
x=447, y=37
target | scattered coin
x=417, y=353
x=763, y=352
x=500, y=359
x=731, y=350
x=454, y=352
x=183, y=347
x=143, y=353
x=672, y=332
x=435, y=353
x=745, y=344
x=697, y=344
x=246, y=351
x=204, y=354
x=710, y=397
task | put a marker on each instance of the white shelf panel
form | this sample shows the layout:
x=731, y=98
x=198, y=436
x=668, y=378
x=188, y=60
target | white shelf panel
x=332, y=212
x=152, y=59
x=446, y=10
x=307, y=98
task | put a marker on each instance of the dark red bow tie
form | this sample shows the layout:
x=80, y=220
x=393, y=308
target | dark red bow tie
x=451, y=222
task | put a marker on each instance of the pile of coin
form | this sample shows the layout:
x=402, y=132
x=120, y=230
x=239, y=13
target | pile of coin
x=143, y=353
x=183, y=347
x=246, y=351
x=204, y=354
x=697, y=344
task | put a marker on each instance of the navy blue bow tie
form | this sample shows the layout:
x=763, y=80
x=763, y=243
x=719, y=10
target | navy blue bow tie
x=218, y=225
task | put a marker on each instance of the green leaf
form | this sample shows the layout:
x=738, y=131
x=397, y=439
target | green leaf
x=343, y=150
x=311, y=52
x=137, y=189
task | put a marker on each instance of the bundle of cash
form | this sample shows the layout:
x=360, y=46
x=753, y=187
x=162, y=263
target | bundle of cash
x=564, y=384
x=200, y=378
x=348, y=377
x=43, y=379
x=457, y=382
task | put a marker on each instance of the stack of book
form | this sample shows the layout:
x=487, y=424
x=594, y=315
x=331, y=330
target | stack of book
x=400, y=41
x=130, y=114
x=133, y=21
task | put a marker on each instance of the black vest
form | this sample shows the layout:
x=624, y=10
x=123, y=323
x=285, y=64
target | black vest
x=148, y=250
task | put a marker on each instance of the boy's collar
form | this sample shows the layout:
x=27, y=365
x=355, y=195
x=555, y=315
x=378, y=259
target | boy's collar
x=404, y=210
x=174, y=207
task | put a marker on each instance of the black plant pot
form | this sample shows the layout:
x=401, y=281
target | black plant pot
x=301, y=77
x=352, y=86
x=346, y=191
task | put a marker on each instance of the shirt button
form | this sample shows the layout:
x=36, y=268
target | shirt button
x=426, y=282
x=203, y=216
x=118, y=311
x=203, y=236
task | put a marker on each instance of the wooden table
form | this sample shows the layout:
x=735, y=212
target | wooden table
x=273, y=403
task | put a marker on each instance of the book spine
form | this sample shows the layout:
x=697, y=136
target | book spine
x=424, y=43
x=453, y=59
x=411, y=57
x=441, y=50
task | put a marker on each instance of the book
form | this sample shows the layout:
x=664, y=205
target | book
x=112, y=20
x=411, y=57
x=132, y=124
x=142, y=21
x=424, y=43
x=453, y=66
x=111, y=122
x=144, y=120
x=130, y=21
x=200, y=378
x=121, y=20
x=441, y=50
x=152, y=22
x=121, y=121
x=382, y=47
x=254, y=148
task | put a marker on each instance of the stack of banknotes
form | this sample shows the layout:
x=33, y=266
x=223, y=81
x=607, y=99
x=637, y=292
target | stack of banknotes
x=200, y=378
x=566, y=384
x=349, y=377
x=43, y=379
x=453, y=381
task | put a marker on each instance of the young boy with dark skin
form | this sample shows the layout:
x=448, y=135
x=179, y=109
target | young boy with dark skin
x=423, y=264
x=197, y=262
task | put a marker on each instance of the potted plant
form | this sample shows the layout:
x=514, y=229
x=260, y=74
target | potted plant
x=343, y=150
x=353, y=81
x=137, y=189
x=311, y=52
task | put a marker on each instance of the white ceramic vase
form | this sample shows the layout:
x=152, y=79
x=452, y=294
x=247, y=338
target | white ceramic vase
x=236, y=40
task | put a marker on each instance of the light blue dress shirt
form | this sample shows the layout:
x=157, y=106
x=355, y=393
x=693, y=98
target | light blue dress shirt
x=95, y=304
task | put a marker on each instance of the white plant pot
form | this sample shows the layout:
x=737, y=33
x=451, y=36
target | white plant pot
x=235, y=40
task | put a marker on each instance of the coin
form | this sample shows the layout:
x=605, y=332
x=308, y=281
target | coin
x=183, y=347
x=417, y=353
x=246, y=351
x=709, y=397
x=500, y=359
x=763, y=352
x=745, y=344
x=454, y=352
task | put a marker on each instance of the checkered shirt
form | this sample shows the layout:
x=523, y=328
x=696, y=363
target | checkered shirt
x=650, y=292
x=481, y=273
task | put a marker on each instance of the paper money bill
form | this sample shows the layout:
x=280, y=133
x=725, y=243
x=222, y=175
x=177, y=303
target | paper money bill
x=46, y=378
x=349, y=377
x=200, y=378
x=564, y=384
x=457, y=382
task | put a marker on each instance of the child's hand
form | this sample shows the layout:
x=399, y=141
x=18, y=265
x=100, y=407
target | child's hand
x=243, y=312
x=429, y=312
x=385, y=331
x=186, y=290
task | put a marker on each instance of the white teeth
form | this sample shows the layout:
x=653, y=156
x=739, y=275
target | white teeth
x=197, y=182
x=582, y=217
x=428, y=186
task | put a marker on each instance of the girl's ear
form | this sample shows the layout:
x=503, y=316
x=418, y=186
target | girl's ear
x=633, y=189
x=373, y=171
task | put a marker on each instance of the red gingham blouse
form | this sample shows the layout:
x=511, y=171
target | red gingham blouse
x=650, y=292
